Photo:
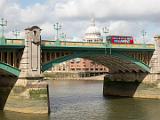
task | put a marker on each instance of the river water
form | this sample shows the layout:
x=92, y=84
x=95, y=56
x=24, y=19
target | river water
x=83, y=100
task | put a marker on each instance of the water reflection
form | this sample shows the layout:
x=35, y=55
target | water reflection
x=83, y=100
x=132, y=109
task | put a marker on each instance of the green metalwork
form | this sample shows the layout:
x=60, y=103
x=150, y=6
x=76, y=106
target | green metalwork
x=7, y=41
x=2, y=40
x=57, y=43
x=103, y=45
x=8, y=68
x=84, y=54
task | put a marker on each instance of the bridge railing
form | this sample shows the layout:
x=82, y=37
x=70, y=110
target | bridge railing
x=70, y=44
x=143, y=46
x=92, y=44
x=8, y=41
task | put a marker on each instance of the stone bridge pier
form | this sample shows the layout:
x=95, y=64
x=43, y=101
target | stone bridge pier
x=29, y=93
x=136, y=83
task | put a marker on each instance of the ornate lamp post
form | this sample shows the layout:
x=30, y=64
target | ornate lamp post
x=63, y=35
x=57, y=27
x=105, y=31
x=144, y=34
x=3, y=23
x=16, y=33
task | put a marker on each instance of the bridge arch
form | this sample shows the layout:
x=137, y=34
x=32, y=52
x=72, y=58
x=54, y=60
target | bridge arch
x=9, y=69
x=112, y=61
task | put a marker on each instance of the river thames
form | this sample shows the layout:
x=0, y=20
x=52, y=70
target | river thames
x=83, y=100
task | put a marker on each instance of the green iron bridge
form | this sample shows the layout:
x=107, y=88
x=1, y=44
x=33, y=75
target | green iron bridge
x=117, y=57
x=22, y=62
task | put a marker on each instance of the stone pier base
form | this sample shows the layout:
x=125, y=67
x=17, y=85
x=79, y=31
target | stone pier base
x=148, y=87
x=28, y=96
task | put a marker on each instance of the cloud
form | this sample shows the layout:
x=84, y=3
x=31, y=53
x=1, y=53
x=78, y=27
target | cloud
x=34, y=14
x=47, y=31
x=109, y=9
x=126, y=17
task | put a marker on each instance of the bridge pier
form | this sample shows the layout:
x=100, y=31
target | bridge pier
x=136, y=84
x=28, y=96
x=29, y=93
x=142, y=85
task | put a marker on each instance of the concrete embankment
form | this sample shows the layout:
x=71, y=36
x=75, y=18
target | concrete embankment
x=25, y=96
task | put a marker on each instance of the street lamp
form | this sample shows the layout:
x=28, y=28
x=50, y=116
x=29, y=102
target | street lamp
x=16, y=33
x=105, y=31
x=63, y=35
x=3, y=23
x=144, y=34
x=57, y=27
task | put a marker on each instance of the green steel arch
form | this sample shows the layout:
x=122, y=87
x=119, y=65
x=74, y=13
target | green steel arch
x=10, y=69
x=85, y=54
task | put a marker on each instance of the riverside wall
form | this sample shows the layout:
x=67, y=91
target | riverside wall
x=23, y=95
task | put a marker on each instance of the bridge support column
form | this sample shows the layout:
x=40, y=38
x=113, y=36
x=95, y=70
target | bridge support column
x=144, y=85
x=30, y=93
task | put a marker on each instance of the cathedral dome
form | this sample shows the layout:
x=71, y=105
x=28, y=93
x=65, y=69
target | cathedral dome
x=92, y=33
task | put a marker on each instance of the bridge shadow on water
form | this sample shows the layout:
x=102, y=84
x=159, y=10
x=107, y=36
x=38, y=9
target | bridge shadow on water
x=6, y=85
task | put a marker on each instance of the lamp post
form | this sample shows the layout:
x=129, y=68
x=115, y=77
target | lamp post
x=3, y=23
x=63, y=35
x=16, y=33
x=144, y=34
x=57, y=27
x=105, y=31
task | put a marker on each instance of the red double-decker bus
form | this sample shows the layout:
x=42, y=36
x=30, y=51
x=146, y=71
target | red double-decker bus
x=120, y=39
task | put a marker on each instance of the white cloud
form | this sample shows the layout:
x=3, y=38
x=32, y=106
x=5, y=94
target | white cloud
x=109, y=9
x=47, y=30
x=32, y=14
x=124, y=16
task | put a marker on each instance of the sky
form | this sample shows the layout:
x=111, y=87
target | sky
x=122, y=17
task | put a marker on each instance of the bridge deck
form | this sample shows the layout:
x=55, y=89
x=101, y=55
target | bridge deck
x=47, y=44
x=67, y=45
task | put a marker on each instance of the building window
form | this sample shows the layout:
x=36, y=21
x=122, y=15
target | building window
x=86, y=69
x=78, y=69
x=73, y=69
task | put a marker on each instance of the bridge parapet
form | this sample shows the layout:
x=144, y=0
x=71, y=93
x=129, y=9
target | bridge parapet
x=10, y=41
x=14, y=41
x=99, y=45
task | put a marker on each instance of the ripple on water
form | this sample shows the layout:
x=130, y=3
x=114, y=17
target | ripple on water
x=83, y=100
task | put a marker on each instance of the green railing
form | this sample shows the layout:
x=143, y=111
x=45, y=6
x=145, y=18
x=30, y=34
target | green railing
x=97, y=45
x=8, y=41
